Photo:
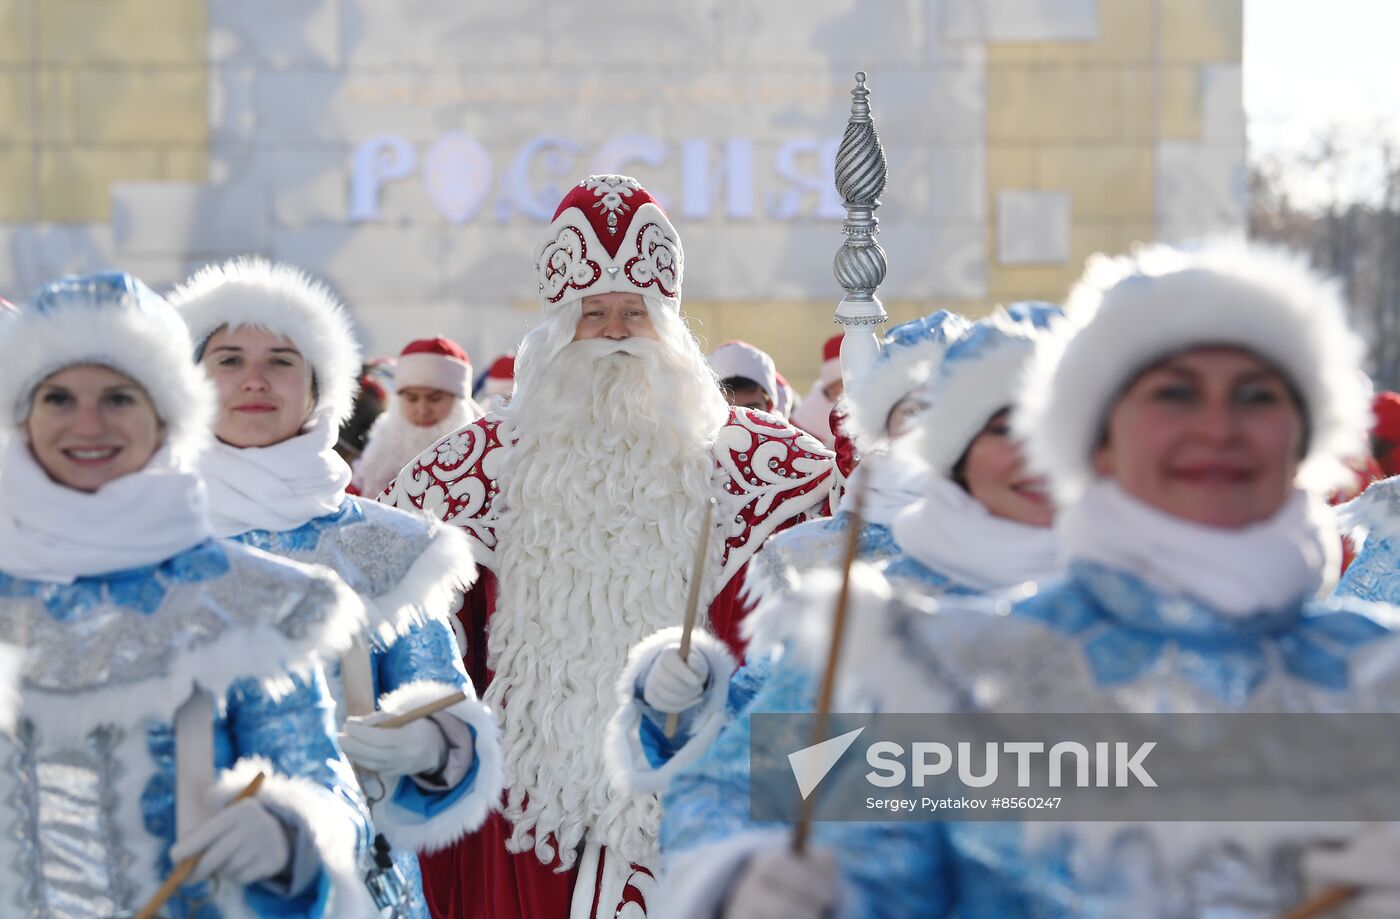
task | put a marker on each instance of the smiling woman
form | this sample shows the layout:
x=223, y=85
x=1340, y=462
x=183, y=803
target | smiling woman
x=90, y=424
x=266, y=390
x=136, y=627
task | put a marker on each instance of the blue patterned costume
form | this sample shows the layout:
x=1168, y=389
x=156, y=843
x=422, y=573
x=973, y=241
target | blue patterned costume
x=88, y=781
x=1100, y=641
x=402, y=566
x=1375, y=572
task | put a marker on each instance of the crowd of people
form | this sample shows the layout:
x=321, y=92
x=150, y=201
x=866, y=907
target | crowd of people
x=289, y=633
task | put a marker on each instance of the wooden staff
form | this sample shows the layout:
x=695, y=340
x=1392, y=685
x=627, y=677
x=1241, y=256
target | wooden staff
x=1325, y=901
x=423, y=711
x=183, y=870
x=802, y=827
x=692, y=602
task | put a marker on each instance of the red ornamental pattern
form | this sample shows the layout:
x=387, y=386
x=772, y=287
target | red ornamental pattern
x=770, y=473
x=655, y=262
x=565, y=262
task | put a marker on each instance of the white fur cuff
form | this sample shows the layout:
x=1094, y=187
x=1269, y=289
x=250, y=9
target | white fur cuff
x=329, y=822
x=627, y=761
x=408, y=830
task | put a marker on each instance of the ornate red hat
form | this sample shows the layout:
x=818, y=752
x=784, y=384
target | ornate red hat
x=608, y=235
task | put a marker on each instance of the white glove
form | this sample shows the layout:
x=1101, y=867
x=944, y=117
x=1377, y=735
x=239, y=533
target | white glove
x=416, y=747
x=243, y=843
x=1368, y=861
x=775, y=884
x=674, y=685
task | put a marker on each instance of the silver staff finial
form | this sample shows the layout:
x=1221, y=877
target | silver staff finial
x=860, y=262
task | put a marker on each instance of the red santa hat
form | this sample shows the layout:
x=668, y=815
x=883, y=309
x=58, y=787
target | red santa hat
x=109, y=318
x=1129, y=312
x=500, y=379
x=831, y=361
x=284, y=301
x=609, y=235
x=434, y=363
x=741, y=359
x=1386, y=408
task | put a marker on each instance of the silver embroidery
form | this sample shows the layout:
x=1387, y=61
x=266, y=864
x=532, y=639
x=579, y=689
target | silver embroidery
x=70, y=848
x=108, y=645
x=373, y=555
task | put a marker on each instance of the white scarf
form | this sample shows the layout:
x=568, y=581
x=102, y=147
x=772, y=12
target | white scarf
x=891, y=486
x=1264, y=566
x=275, y=488
x=49, y=532
x=953, y=534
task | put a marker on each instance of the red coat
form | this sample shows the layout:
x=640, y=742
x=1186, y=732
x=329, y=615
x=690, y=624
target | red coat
x=477, y=877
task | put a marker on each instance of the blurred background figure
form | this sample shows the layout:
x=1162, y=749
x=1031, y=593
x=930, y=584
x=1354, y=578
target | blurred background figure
x=370, y=400
x=814, y=414
x=499, y=380
x=1385, y=432
x=431, y=383
x=747, y=376
x=787, y=398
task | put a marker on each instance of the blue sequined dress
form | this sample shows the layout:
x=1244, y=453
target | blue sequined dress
x=404, y=567
x=87, y=780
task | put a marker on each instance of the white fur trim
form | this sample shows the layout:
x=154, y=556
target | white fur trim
x=1372, y=511
x=285, y=301
x=432, y=584
x=1127, y=312
x=873, y=394
x=830, y=372
x=813, y=615
x=263, y=652
x=146, y=342
x=627, y=763
x=968, y=391
x=434, y=371
x=696, y=881
x=330, y=821
x=11, y=666
x=778, y=610
x=407, y=830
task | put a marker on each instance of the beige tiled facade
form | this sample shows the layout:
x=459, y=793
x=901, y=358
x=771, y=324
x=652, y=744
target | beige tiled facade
x=95, y=92
x=160, y=134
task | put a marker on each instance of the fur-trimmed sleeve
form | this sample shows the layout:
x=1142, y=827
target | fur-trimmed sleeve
x=290, y=740
x=640, y=758
x=421, y=667
x=426, y=820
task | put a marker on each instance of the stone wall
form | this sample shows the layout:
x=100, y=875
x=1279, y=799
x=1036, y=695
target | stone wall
x=404, y=149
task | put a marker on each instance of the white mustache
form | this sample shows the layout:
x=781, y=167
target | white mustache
x=594, y=348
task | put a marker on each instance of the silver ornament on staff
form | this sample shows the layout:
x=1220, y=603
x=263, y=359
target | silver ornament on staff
x=860, y=262
x=860, y=268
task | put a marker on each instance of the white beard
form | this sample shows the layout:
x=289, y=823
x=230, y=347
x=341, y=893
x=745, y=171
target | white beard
x=814, y=415
x=603, y=492
x=394, y=442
